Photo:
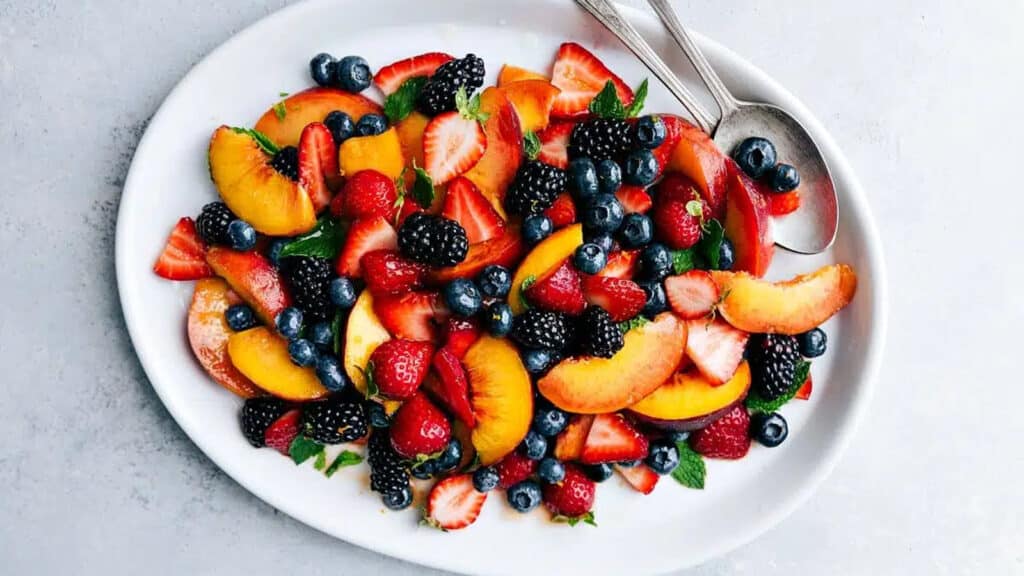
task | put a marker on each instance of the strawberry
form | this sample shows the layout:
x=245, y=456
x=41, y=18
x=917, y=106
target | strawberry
x=728, y=437
x=318, y=163
x=675, y=225
x=514, y=468
x=560, y=290
x=419, y=427
x=804, y=393
x=410, y=315
x=367, y=194
x=641, y=477
x=573, y=496
x=634, y=198
x=387, y=272
x=580, y=76
x=453, y=391
x=390, y=78
x=673, y=134
x=620, y=297
x=620, y=264
x=677, y=188
x=782, y=204
x=692, y=295
x=280, y=434
x=562, y=212
x=454, y=503
x=459, y=334
x=554, y=144
x=365, y=235
x=464, y=203
x=398, y=367
x=612, y=439
x=453, y=142
x=715, y=347
x=184, y=255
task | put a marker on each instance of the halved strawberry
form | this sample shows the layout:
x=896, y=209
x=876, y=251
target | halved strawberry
x=620, y=297
x=804, y=393
x=634, y=198
x=562, y=212
x=612, y=439
x=554, y=144
x=459, y=334
x=318, y=163
x=782, y=204
x=184, y=255
x=621, y=264
x=464, y=203
x=692, y=295
x=387, y=272
x=280, y=434
x=411, y=315
x=454, y=503
x=580, y=76
x=640, y=477
x=560, y=290
x=365, y=235
x=453, y=391
x=391, y=77
x=453, y=142
x=728, y=437
x=716, y=348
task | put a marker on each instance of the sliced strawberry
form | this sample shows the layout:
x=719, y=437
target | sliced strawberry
x=621, y=264
x=390, y=78
x=716, y=348
x=673, y=134
x=782, y=204
x=454, y=503
x=580, y=76
x=560, y=290
x=365, y=235
x=459, y=334
x=184, y=255
x=464, y=203
x=804, y=393
x=554, y=144
x=634, y=199
x=454, y=389
x=318, y=163
x=514, y=468
x=612, y=439
x=387, y=272
x=280, y=434
x=569, y=442
x=692, y=295
x=411, y=315
x=562, y=212
x=728, y=437
x=621, y=298
x=641, y=478
x=452, y=144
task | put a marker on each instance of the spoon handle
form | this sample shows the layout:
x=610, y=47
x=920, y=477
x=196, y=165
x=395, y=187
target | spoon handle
x=606, y=13
x=725, y=100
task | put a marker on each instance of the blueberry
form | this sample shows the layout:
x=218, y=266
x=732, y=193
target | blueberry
x=274, y=251
x=678, y=436
x=628, y=463
x=598, y=472
x=289, y=322
x=302, y=352
x=341, y=126
x=549, y=421
x=342, y=293
x=240, y=317
x=450, y=457
x=371, y=125
x=589, y=258
x=498, y=319
x=655, y=262
x=538, y=362
x=783, y=178
x=755, y=156
x=726, y=255
x=641, y=168
x=551, y=471
x=604, y=240
x=462, y=297
x=377, y=416
x=328, y=370
x=399, y=500
x=353, y=74
x=603, y=214
x=650, y=132
x=812, y=343
x=485, y=479
x=663, y=456
x=494, y=281
x=769, y=429
x=242, y=235
x=524, y=496
x=424, y=470
x=637, y=231
x=534, y=445
x=656, y=302
x=321, y=68
x=536, y=228
x=582, y=179
x=609, y=176
x=321, y=335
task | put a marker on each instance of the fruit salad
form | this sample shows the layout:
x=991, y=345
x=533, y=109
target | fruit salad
x=514, y=291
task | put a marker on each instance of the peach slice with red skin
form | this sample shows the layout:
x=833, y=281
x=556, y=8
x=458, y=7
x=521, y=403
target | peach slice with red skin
x=503, y=251
x=308, y=106
x=689, y=401
x=532, y=100
x=494, y=172
x=263, y=357
x=253, y=278
x=748, y=226
x=549, y=253
x=208, y=334
x=791, y=307
x=569, y=442
x=501, y=395
x=510, y=74
x=586, y=385
x=697, y=157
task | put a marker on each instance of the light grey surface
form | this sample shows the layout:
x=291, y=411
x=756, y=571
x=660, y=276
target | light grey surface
x=95, y=478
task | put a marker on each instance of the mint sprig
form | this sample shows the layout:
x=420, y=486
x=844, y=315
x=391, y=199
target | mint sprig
x=634, y=108
x=587, y=518
x=710, y=244
x=531, y=145
x=302, y=449
x=423, y=188
x=635, y=322
x=264, y=141
x=323, y=241
x=345, y=458
x=527, y=282
x=755, y=403
x=399, y=104
x=683, y=260
x=690, y=471
x=606, y=104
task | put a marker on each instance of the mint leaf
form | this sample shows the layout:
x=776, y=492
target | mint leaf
x=423, y=188
x=527, y=282
x=371, y=385
x=690, y=471
x=302, y=449
x=587, y=518
x=531, y=145
x=635, y=322
x=607, y=104
x=321, y=460
x=265, y=143
x=323, y=241
x=710, y=243
x=282, y=94
x=638, y=101
x=683, y=260
x=280, y=110
x=399, y=104
x=755, y=403
x=337, y=323
x=346, y=458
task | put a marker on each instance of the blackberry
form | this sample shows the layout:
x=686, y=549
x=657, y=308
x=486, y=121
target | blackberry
x=334, y=421
x=438, y=94
x=599, y=334
x=433, y=240
x=539, y=329
x=212, y=223
x=309, y=279
x=257, y=415
x=773, y=359
x=388, y=474
x=600, y=139
x=286, y=161
x=535, y=188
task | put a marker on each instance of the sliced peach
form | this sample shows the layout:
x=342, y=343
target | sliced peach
x=382, y=153
x=510, y=74
x=363, y=334
x=310, y=106
x=791, y=307
x=208, y=334
x=532, y=100
x=586, y=385
x=569, y=442
x=504, y=250
x=689, y=401
x=263, y=357
x=501, y=395
x=551, y=252
x=697, y=157
x=748, y=227
x=494, y=172
x=410, y=137
x=253, y=278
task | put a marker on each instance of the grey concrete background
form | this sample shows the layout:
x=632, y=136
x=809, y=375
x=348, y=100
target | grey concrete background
x=95, y=477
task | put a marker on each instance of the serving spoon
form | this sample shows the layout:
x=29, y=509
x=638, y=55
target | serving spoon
x=809, y=230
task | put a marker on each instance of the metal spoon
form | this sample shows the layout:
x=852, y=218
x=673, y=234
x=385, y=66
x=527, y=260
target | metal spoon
x=809, y=230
